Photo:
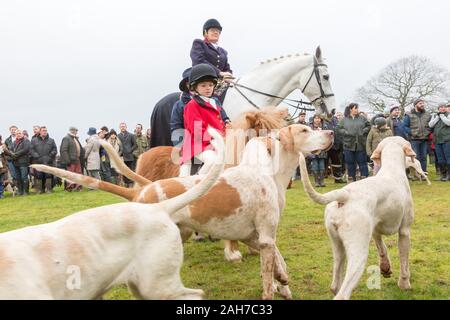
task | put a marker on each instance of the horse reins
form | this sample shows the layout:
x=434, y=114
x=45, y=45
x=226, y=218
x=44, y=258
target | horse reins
x=315, y=72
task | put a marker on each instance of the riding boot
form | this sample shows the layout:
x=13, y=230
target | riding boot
x=321, y=178
x=26, y=187
x=19, y=187
x=447, y=173
x=442, y=175
x=316, y=178
x=438, y=168
x=48, y=185
x=38, y=186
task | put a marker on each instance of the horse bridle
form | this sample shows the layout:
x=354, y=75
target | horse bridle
x=315, y=72
x=319, y=81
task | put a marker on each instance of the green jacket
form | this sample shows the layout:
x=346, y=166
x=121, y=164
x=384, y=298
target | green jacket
x=441, y=127
x=416, y=123
x=374, y=138
x=354, y=132
x=142, y=145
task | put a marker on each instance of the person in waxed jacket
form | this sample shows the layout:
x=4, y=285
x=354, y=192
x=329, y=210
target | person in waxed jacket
x=354, y=128
x=43, y=151
x=20, y=154
x=416, y=124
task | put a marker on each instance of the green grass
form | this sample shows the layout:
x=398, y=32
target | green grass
x=301, y=238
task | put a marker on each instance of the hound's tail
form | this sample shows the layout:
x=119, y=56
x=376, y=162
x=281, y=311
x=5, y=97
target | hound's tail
x=121, y=166
x=336, y=195
x=89, y=182
x=175, y=204
x=415, y=164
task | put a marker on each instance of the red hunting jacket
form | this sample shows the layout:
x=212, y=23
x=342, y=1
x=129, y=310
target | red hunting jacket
x=198, y=115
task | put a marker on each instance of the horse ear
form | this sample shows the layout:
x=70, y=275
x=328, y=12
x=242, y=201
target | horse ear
x=319, y=53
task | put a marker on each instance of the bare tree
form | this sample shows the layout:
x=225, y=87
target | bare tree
x=404, y=81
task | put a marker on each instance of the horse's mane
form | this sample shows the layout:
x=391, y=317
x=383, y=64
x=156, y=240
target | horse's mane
x=267, y=118
x=284, y=57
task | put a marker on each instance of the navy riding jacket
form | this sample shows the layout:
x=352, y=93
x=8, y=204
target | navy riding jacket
x=204, y=52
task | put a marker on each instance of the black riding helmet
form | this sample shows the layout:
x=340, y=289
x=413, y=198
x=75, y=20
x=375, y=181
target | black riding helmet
x=202, y=72
x=183, y=85
x=211, y=23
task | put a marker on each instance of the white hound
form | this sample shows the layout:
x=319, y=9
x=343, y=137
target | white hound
x=83, y=255
x=369, y=208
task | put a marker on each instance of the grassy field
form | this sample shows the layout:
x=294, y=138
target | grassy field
x=302, y=240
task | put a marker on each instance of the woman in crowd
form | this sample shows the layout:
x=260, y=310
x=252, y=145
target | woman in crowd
x=116, y=178
x=379, y=131
x=354, y=129
x=318, y=161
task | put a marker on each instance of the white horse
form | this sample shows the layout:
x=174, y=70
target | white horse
x=268, y=85
x=276, y=79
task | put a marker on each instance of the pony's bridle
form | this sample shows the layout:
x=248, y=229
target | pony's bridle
x=322, y=96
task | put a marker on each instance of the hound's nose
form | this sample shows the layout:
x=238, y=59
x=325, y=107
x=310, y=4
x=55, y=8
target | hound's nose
x=331, y=133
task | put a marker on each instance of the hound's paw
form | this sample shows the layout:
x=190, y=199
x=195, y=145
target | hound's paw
x=334, y=289
x=253, y=252
x=284, y=291
x=233, y=256
x=267, y=296
x=404, y=284
x=385, y=268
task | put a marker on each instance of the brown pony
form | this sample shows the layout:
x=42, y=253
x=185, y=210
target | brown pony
x=162, y=162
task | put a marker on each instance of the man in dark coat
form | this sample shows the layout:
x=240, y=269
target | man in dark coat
x=9, y=142
x=128, y=141
x=416, y=125
x=43, y=151
x=160, y=120
x=72, y=156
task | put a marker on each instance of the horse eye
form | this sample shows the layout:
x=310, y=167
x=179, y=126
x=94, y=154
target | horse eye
x=326, y=77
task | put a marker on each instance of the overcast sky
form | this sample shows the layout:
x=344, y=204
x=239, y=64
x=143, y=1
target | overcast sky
x=93, y=63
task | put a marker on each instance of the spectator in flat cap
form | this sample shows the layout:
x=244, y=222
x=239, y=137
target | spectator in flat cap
x=92, y=154
x=416, y=125
x=72, y=156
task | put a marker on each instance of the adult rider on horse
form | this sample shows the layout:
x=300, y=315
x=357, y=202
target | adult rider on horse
x=208, y=51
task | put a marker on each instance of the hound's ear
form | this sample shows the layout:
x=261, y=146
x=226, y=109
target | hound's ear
x=409, y=152
x=376, y=155
x=319, y=54
x=286, y=138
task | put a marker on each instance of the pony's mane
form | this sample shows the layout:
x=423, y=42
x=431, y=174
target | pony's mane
x=284, y=57
x=267, y=118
